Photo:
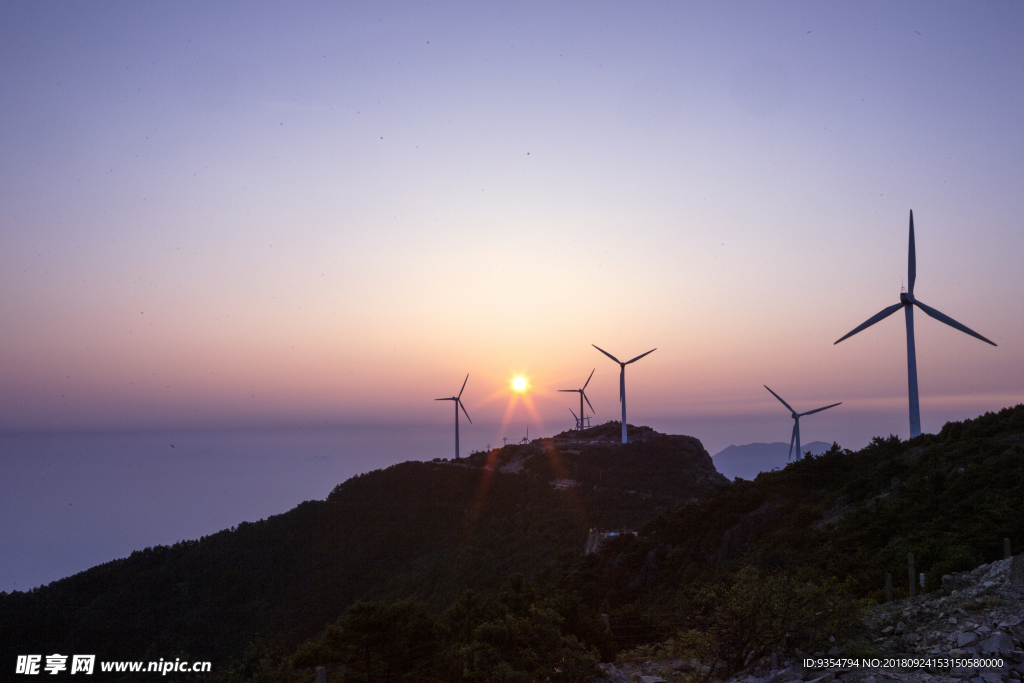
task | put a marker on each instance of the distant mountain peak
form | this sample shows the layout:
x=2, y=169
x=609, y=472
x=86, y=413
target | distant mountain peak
x=597, y=457
x=749, y=460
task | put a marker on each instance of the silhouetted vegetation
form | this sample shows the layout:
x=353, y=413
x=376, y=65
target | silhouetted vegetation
x=374, y=580
x=515, y=635
x=426, y=530
x=842, y=520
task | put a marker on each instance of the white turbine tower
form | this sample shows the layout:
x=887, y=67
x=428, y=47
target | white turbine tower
x=458, y=404
x=796, y=423
x=907, y=303
x=583, y=396
x=622, y=383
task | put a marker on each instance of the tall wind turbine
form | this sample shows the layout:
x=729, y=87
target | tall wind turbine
x=907, y=303
x=579, y=420
x=622, y=382
x=796, y=423
x=458, y=404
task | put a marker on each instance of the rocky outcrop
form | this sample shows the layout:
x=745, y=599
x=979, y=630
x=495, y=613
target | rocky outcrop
x=646, y=576
x=978, y=615
x=835, y=514
x=667, y=468
x=1017, y=571
x=750, y=527
x=596, y=539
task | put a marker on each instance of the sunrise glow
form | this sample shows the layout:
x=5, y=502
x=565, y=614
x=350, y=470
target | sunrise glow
x=263, y=251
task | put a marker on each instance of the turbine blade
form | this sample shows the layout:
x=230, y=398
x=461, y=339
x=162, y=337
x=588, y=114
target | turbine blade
x=464, y=386
x=464, y=411
x=588, y=379
x=571, y=391
x=949, y=321
x=588, y=402
x=622, y=383
x=573, y=414
x=911, y=258
x=792, y=440
x=780, y=398
x=640, y=356
x=606, y=353
x=444, y=399
x=885, y=313
x=818, y=410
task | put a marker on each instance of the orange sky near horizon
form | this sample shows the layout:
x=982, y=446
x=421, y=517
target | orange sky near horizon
x=198, y=229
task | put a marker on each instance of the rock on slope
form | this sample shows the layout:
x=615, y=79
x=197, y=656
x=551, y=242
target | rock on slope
x=978, y=615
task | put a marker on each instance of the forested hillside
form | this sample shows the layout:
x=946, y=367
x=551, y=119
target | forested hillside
x=950, y=498
x=782, y=564
x=429, y=530
x=725, y=572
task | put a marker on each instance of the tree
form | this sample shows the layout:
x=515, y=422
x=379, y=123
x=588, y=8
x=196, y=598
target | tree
x=378, y=641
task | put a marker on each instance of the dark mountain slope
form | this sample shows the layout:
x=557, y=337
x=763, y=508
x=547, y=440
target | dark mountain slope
x=950, y=498
x=779, y=563
x=426, y=529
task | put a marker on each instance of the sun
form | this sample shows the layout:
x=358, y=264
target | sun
x=519, y=384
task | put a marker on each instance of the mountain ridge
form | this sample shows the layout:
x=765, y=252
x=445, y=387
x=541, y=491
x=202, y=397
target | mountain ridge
x=819, y=533
x=424, y=529
x=748, y=460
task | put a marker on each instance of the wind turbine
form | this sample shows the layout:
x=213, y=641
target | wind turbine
x=796, y=423
x=907, y=303
x=579, y=420
x=581, y=423
x=622, y=383
x=458, y=404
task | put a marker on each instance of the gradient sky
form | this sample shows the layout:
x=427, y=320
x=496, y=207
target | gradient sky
x=243, y=213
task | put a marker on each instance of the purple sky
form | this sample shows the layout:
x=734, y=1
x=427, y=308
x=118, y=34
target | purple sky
x=300, y=213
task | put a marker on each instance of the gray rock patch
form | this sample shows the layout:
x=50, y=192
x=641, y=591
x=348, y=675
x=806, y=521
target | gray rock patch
x=997, y=644
x=966, y=639
x=1017, y=571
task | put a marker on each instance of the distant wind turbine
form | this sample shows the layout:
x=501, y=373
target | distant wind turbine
x=583, y=396
x=907, y=303
x=581, y=423
x=796, y=423
x=458, y=404
x=622, y=383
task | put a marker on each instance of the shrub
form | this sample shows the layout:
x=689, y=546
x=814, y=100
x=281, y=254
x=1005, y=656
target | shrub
x=750, y=616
